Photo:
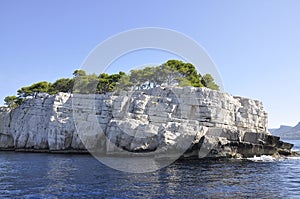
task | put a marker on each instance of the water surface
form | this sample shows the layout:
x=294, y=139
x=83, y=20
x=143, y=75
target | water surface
x=33, y=175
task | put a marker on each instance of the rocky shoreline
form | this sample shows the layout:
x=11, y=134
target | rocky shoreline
x=191, y=122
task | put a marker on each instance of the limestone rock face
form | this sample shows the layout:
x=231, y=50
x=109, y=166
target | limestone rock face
x=198, y=121
x=6, y=139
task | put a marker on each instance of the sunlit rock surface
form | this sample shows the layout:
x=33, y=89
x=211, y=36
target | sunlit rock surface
x=198, y=121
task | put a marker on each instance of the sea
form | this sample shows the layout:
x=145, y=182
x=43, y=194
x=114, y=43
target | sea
x=42, y=175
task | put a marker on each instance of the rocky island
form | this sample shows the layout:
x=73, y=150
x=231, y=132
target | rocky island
x=287, y=132
x=166, y=110
x=199, y=121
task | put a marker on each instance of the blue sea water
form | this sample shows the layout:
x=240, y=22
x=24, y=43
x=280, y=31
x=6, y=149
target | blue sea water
x=33, y=175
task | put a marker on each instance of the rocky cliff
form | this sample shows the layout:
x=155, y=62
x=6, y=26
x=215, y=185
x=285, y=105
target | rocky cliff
x=198, y=122
x=287, y=132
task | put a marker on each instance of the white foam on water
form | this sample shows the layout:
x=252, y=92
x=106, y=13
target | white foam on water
x=268, y=158
x=293, y=158
x=263, y=158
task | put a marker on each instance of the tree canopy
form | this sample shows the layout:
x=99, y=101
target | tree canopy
x=13, y=101
x=171, y=73
x=40, y=87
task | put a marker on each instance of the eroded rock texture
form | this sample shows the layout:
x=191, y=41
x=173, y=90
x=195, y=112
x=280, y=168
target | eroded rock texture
x=198, y=121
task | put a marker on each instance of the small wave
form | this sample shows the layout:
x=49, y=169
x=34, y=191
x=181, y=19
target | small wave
x=293, y=158
x=268, y=158
x=263, y=158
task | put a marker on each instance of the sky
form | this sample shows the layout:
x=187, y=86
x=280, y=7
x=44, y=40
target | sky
x=255, y=44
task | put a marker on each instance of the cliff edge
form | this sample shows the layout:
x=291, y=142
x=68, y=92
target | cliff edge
x=198, y=121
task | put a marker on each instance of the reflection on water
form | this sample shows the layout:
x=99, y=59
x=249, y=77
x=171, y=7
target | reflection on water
x=25, y=175
x=60, y=172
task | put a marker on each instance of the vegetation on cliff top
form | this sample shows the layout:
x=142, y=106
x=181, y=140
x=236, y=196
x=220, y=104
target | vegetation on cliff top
x=173, y=72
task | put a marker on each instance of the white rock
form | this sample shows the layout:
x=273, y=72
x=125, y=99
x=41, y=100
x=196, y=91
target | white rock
x=141, y=120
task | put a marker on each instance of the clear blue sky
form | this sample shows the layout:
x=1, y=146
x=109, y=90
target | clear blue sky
x=255, y=44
